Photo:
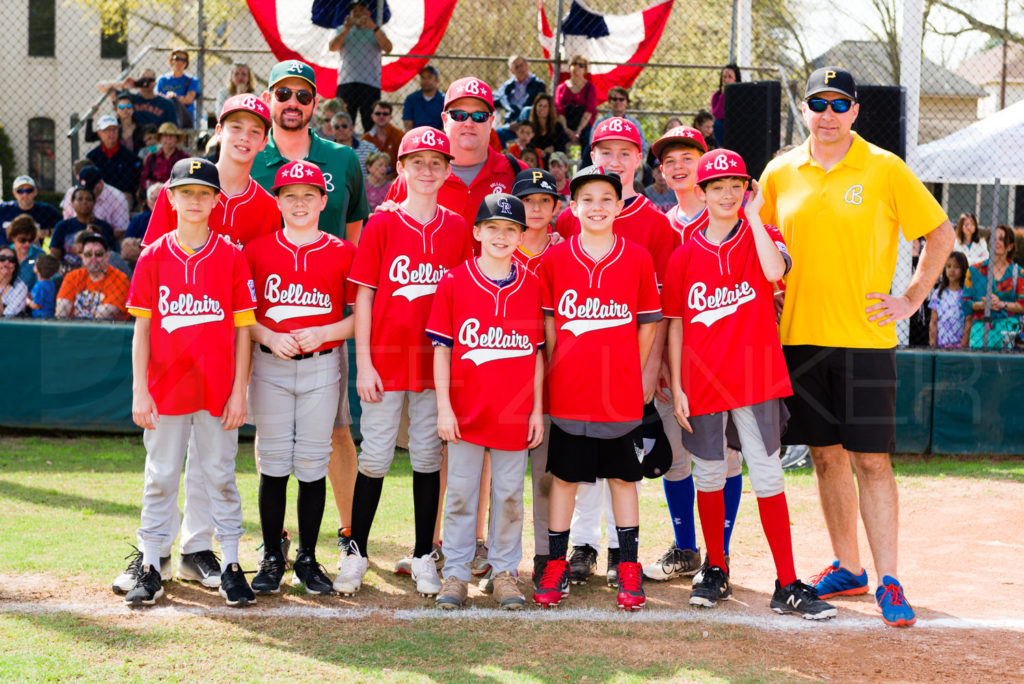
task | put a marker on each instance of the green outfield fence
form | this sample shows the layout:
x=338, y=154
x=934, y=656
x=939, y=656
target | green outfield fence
x=77, y=377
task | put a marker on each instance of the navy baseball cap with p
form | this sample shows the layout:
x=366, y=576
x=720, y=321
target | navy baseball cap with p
x=194, y=171
x=831, y=79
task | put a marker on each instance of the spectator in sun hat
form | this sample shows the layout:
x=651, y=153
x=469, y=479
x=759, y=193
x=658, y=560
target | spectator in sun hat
x=156, y=168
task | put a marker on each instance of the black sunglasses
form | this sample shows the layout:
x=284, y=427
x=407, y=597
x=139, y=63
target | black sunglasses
x=617, y=99
x=840, y=105
x=145, y=82
x=9, y=258
x=284, y=93
x=461, y=115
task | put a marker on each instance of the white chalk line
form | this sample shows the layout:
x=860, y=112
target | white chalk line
x=767, y=622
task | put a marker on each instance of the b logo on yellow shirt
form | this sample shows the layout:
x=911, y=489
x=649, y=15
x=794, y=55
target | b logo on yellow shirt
x=854, y=194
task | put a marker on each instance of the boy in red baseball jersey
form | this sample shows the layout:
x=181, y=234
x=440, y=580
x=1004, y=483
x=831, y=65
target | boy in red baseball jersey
x=301, y=279
x=244, y=210
x=487, y=330
x=538, y=191
x=617, y=147
x=403, y=255
x=727, y=367
x=678, y=151
x=192, y=298
x=600, y=300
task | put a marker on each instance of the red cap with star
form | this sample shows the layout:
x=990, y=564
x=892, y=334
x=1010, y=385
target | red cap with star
x=720, y=163
x=425, y=138
x=616, y=128
x=299, y=172
x=680, y=135
x=469, y=87
x=246, y=102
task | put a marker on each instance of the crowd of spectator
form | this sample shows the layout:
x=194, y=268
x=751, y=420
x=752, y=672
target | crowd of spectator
x=98, y=228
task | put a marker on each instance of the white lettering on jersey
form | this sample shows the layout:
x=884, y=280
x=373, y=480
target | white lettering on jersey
x=591, y=314
x=418, y=282
x=721, y=303
x=492, y=345
x=293, y=301
x=185, y=310
x=328, y=177
x=854, y=194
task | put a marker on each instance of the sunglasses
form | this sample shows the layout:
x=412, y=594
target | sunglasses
x=179, y=58
x=840, y=105
x=581, y=65
x=145, y=82
x=617, y=99
x=10, y=258
x=284, y=93
x=124, y=106
x=461, y=115
x=24, y=191
x=91, y=255
x=338, y=128
x=22, y=240
x=381, y=113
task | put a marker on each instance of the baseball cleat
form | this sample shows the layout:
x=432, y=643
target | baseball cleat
x=202, y=567
x=307, y=572
x=124, y=582
x=268, y=579
x=453, y=594
x=674, y=563
x=800, y=599
x=234, y=588
x=582, y=562
x=148, y=588
x=712, y=588
x=554, y=584
x=612, y=571
x=350, y=575
x=631, y=587
x=424, y=573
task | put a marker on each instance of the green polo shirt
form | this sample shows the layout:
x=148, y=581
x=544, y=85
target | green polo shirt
x=346, y=195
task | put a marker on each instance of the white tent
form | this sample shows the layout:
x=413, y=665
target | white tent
x=987, y=149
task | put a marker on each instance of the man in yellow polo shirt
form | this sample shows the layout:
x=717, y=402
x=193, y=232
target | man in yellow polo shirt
x=840, y=203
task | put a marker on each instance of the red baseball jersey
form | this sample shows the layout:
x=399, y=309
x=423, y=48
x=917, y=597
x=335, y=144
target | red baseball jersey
x=595, y=366
x=684, y=229
x=531, y=261
x=497, y=175
x=495, y=334
x=192, y=301
x=639, y=222
x=299, y=286
x=240, y=218
x=731, y=351
x=404, y=260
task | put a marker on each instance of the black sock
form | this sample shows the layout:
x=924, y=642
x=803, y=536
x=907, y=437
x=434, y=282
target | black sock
x=558, y=544
x=272, y=497
x=365, y=497
x=311, y=513
x=426, y=491
x=629, y=541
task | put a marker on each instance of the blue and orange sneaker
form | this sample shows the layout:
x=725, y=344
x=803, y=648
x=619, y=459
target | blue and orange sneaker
x=892, y=604
x=837, y=581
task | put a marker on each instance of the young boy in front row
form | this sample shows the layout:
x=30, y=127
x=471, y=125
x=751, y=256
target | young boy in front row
x=600, y=300
x=301, y=278
x=487, y=331
x=402, y=256
x=192, y=299
x=726, y=365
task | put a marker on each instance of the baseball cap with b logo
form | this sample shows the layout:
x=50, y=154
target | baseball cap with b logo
x=425, y=138
x=680, y=135
x=721, y=163
x=831, y=79
x=300, y=172
x=246, y=102
x=616, y=128
x=469, y=87
x=501, y=205
x=194, y=171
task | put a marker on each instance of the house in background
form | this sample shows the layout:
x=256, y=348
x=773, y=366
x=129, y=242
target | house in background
x=948, y=102
x=985, y=69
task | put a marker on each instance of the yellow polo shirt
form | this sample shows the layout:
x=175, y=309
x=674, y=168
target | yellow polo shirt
x=841, y=229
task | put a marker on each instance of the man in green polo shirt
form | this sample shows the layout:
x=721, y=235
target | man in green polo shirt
x=291, y=96
x=292, y=99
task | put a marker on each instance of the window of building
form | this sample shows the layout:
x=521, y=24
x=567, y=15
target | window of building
x=114, y=45
x=42, y=28
x=41, y=152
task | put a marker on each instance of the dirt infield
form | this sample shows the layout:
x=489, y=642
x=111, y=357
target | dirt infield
x=961, y=550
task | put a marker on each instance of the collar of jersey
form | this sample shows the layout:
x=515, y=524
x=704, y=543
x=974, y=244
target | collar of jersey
x=633, y=207
x=576, y=245
x=282, y=239
x=855, y=157
x=319, y=149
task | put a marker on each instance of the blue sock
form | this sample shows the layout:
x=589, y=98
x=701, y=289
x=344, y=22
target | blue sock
x=733, y=490
x=679, y=496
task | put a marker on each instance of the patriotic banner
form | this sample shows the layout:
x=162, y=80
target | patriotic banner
x=618, y=38
x=302, y=29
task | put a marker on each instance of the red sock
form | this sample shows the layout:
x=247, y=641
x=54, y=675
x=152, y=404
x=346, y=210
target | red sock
x=711, y=506
x=775, y=521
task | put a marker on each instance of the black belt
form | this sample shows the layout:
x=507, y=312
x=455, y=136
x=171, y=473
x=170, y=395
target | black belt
x=299, y=357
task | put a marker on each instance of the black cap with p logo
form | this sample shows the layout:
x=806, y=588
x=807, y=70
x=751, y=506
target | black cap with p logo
x=831, y=79
x=195, y=171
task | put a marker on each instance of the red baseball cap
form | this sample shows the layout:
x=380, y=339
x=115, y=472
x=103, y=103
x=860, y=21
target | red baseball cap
x=299, y=172
x=721, y=163
x=246, y=102
x=425, y=138
x=617, y=128
x=469, y=87
x=680, y=135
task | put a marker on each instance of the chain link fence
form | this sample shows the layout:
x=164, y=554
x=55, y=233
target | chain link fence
x=956, y=133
